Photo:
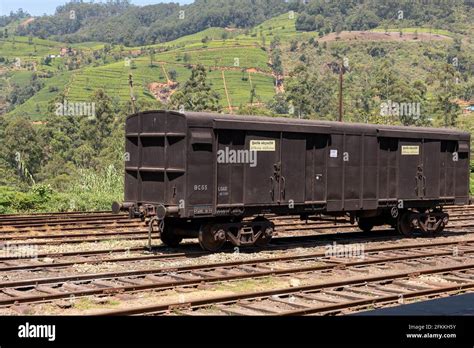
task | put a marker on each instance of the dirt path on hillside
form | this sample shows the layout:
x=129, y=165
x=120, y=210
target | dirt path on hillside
x=226, y=92
x=163, y=91
x=381, y=36
x=166, y=73
x=27, y=21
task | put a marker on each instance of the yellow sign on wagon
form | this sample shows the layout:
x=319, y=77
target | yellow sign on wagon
x=262, y=145
x=411, y=150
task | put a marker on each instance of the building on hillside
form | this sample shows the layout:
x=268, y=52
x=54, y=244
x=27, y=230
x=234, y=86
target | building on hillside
x=67, y=51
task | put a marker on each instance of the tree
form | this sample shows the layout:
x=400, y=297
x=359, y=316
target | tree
x=152, y=57
x=363, y=19
x=253, y=94
x=294, y=45
x=279, y=104
x=47, y=60
x=467, y=92
x=244, y=75
x=306, y=22
x=25, y=155
x=298, y=91
x=173, y=74
x=97, y=129
x=444, y=108
x=196, y=94
x=275, y=43
x=276, y=61
x=386, y=80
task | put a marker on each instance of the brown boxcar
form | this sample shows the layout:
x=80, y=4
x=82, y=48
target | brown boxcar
x=204, y=175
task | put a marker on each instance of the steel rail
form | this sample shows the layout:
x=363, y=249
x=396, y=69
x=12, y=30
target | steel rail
x=230, y=299
x=174, y=256
x=211, y=279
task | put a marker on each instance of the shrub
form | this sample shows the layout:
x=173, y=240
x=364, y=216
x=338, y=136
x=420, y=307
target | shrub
x=90, y=190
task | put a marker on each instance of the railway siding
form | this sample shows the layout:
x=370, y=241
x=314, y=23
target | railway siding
x=309, y=268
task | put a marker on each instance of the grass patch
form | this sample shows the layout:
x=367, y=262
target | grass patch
x=472, y=183
x=88, y=191
x=21, y=48
x=416, y=29
x=84, y=303
x=283, y=26
x=249, y=285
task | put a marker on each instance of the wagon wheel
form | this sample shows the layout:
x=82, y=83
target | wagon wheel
x=265, y=238
x=404, y=225
x=440, y=228
x=267, y=234
x=211, y=237
x=365, y=224
x=169, y=238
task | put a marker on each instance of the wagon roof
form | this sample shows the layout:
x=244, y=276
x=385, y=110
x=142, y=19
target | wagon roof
x=286, y=123
x=334, y=126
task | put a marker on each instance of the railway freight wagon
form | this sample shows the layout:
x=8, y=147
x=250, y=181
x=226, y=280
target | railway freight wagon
x=218, y=177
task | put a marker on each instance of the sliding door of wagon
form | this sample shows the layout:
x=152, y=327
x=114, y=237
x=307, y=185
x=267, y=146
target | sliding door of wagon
x=231, y=167
x=448, y=169
x=293, y=161
x=431, y=168
x=316, y=164
x=410, y=168
x=261, y=178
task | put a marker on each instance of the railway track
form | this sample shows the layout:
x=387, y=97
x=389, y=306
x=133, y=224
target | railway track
x=71, y=225
x=68, y=218
x=332, y=297
x=40, y=261
x=116, y=235
x=123, y=228
x=52, y=214
x=45, y=220
x=309, y=265
x=49, y=277
x=332, y=232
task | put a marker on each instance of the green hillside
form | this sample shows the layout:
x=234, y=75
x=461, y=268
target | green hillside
x=241, y=57
x=286, y=65
x=237, y=54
